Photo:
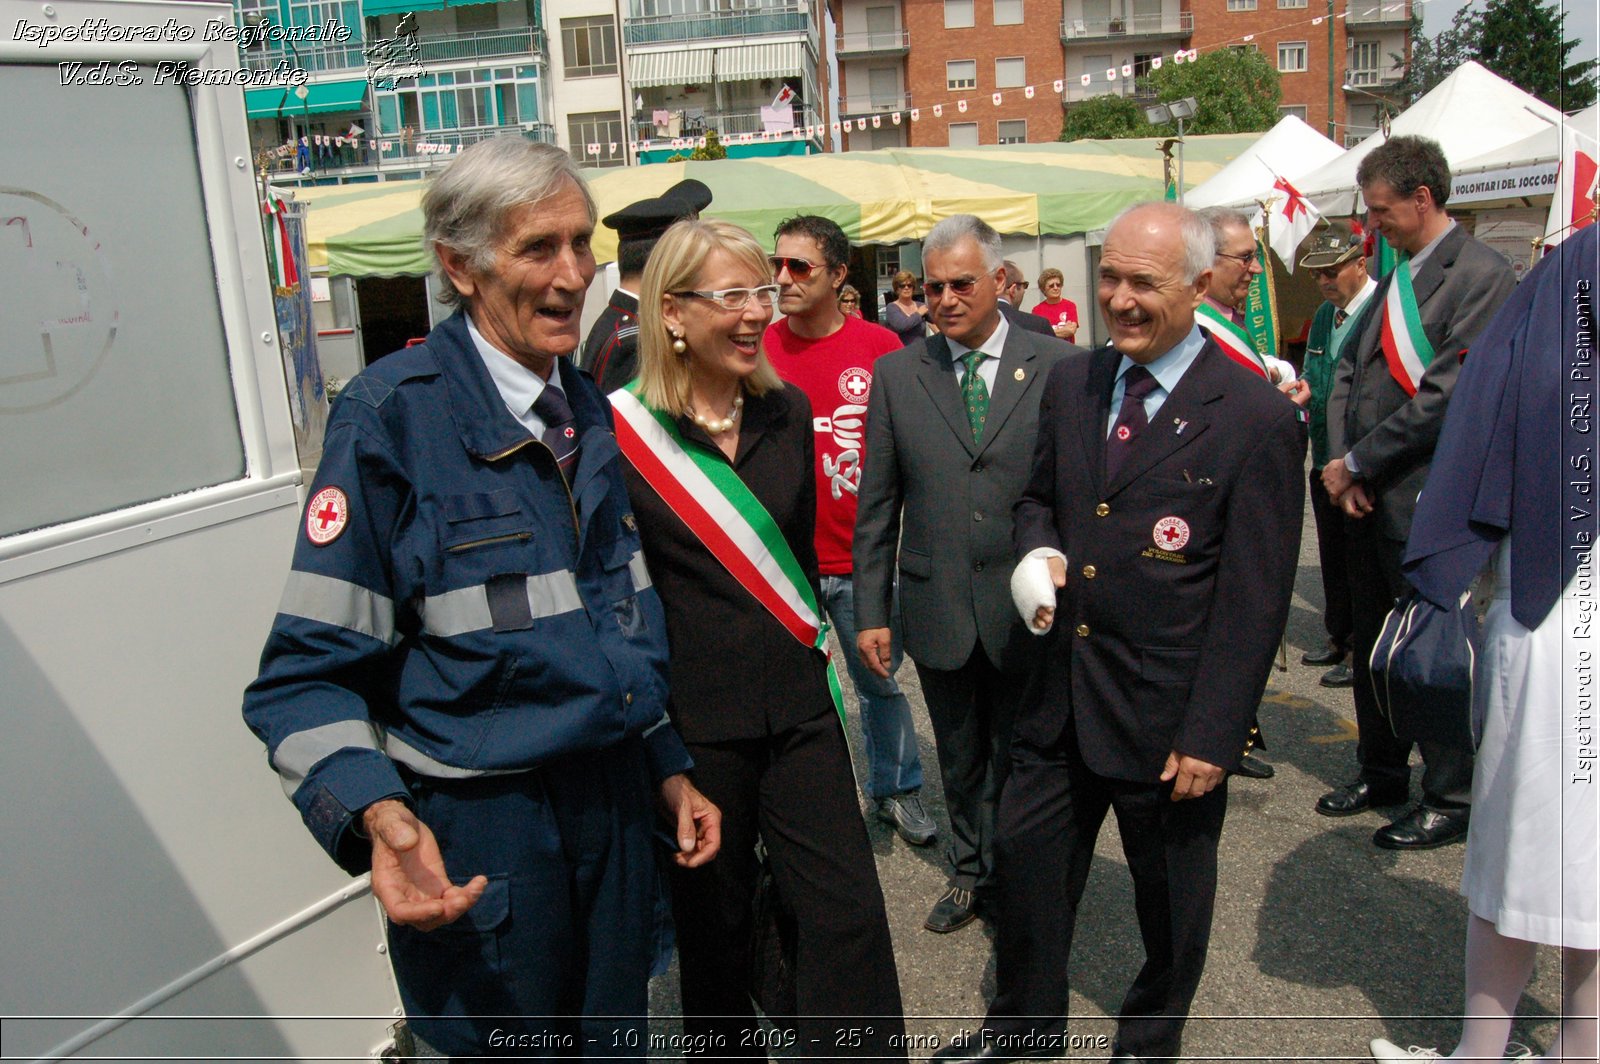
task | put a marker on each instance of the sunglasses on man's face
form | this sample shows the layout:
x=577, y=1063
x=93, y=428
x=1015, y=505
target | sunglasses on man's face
x=799, y=269
x=961, y=287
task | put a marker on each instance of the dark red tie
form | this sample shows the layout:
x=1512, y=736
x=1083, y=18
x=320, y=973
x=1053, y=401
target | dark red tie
x=560, y=434
x=1138, y=383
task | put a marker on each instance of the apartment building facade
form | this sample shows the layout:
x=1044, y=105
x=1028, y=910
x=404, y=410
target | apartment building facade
x=905, y=58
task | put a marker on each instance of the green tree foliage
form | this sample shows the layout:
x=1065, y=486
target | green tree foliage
x=1236, y=92
x=1523, y=42
x=712, y=150
x=1108, y=117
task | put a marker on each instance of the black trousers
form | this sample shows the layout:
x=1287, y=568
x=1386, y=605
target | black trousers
x=1375, y=583
x=971, y=709
x=1050, y=817
x=1332, y=556
x=795, y=790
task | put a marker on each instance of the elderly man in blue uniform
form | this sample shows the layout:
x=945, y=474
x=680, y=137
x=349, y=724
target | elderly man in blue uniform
x=1390, y=392
x=464, y=690
x=1167, y=478
x=611, y=352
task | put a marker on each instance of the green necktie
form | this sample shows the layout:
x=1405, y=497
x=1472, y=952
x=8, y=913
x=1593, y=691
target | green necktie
x=975, y=394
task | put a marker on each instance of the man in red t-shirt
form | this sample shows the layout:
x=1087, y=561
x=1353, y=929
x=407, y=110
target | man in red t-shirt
x=829, y=356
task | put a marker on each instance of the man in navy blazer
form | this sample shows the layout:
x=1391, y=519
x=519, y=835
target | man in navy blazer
x=1158, y=537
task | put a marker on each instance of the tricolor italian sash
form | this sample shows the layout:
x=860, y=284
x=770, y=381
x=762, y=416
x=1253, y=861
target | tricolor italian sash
x=1233, y=340
x=1405, y=342
x=708, y=496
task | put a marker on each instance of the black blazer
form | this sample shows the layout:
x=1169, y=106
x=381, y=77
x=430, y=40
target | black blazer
x=1023, y=319
x=734, y=671
x=1180, y=569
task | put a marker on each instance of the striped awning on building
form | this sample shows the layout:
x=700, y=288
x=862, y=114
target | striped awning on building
x=690, y=66
x=753, y=62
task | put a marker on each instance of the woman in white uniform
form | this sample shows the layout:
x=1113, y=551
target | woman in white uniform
x=1514, y=477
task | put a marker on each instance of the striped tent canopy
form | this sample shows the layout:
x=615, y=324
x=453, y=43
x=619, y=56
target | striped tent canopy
x=878, y=197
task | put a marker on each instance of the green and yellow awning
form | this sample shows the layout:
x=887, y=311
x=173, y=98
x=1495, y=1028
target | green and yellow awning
x=877, y=197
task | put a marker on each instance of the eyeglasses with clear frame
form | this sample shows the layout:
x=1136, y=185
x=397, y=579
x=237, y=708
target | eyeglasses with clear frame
x=735, y=298
x=962, y=286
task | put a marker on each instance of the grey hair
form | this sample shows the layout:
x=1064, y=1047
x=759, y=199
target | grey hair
x=1223, y=219
x=958, y=227
x=465, y=207
x=1199, y=244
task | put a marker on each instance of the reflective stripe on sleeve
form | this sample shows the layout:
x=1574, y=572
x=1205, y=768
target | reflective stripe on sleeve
x=467, y=610
x=340, y=603
x=657, y=726
x=639, y=571
x=298, y=754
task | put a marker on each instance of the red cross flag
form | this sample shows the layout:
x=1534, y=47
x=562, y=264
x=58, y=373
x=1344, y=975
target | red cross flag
x=785, y=94
x=1290, y=219
x=1573, y=204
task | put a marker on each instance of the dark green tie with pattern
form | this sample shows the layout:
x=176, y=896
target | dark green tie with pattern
x=975, y=393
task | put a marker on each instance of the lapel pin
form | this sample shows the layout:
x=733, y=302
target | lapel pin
x=1019, y=374
x=1182, y=424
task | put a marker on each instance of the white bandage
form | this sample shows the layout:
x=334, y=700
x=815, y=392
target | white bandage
x=1281, y=372
x=1031, y=586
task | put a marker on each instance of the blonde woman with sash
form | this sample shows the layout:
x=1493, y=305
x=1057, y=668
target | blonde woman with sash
x=719, y=464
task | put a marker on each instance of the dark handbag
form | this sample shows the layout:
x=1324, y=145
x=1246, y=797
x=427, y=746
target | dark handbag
x=1422, y=669
x=773, y=941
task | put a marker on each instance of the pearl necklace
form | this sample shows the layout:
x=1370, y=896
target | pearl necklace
x=716, y=426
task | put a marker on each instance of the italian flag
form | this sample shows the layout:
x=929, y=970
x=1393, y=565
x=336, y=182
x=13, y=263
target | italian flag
x=280, y=252
x=708, y=496
x=1405, y=343
x=1233, y=340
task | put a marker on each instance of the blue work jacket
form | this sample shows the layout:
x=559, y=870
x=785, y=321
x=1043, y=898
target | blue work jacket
x=453, y=607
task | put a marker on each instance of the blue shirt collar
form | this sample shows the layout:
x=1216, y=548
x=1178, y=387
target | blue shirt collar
x=1169, y=369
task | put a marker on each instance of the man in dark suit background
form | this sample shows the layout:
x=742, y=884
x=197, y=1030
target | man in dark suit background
x=1382, y=433
x=950, y=431
x=1011, y=294
x=1168, y=478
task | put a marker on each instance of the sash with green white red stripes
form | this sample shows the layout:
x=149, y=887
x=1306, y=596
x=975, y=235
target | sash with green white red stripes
x=708, y=496
x=1405, y=343
x=1232, y=338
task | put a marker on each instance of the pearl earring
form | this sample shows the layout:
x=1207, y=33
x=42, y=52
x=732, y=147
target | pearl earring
x=678, y=346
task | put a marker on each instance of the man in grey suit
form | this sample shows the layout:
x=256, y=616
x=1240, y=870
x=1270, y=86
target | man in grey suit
x=950, y=433
x=1390, y=391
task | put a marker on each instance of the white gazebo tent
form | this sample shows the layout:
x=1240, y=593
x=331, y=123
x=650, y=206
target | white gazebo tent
x=1523, y=169
x=1289, y=149
x=1470, y=113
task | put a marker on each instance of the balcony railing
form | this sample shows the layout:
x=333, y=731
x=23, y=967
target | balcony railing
x=1373, y=78
x=882, y=43
x=1075, y=91
x=756, y=22
x=726, y=123
x=527, y=43
x=876, y=103
x=1378, y=12
x=406, y=156
x=1166, y=24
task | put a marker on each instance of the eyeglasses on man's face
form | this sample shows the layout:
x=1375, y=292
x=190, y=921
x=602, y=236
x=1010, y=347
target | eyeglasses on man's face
x=735, y=298
x=799, y=269
x=962, y=286
x=1243, y=259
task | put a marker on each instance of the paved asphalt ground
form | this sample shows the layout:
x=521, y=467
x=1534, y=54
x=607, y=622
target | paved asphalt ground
x=1321, y=940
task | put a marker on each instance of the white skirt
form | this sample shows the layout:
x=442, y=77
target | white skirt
x=1531, y=865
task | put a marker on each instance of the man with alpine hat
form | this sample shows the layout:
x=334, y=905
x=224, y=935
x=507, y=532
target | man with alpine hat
x=1392, y=385
x=611, y=352
x=1338, y=261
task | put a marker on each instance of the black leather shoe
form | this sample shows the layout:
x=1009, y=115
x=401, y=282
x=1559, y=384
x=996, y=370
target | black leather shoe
x=955, y=910
x=1422, y=829
x=1252, y=767
x=1332, y=655
x=987, y=1053
x=1354, y=798
x=1338, y=676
